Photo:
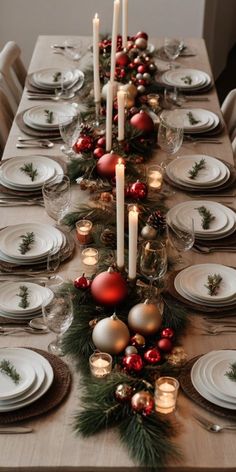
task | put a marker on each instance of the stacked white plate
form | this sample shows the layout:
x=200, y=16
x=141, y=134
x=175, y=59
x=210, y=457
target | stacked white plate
x=209, y=379
x=50, y=79
x=223, y=225
x=47, y=240
x=36, y=117
x=205, y=120
x=36, y=376
x=186, y=79
x=191, y=283
x=214, y=174
x=10, y=300
x=11, y=175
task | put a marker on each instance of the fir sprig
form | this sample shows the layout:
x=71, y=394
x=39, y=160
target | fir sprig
x=27, y=241
x=7, y=368
x=231, y=374
x=206, y=215
x=24, y=295
x=192, y=119
x=28, y=169
x=56, y=76
x=213, y=284
x=196, y=168
x=187, y=79
x=49, y=116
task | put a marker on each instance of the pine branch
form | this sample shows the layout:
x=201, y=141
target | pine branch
x=196, y=168
x=24, y=295
x=27, y=241
x=28, y=169
x=187, y=79
x=7, y=368
x=56, y=76
x=49, y=116
x=206, y=215
x=191, y=118
x=231, y=374
x=213, y=284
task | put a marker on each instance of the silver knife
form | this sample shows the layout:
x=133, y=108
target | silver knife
x=15, y=430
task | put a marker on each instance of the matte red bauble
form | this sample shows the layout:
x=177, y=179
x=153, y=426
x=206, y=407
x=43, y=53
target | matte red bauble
x=81, y=282
x=133, y=362
x=106, y=166
x=108, y=288
x=83, y=144
x=167, y=333
x=98, y=152
x=143, y=122
x=164, y=344
x=111, y=335
x=145, y=318
x=122, y=59
x=138, y=190
x=152, y=356
x=141, y=34
x=142, y=402
x=101, y=142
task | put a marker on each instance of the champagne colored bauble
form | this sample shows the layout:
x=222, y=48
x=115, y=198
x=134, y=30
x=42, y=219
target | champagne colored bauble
x=123, y=392
x=122, y=59
x=106, y=165
x=111, y=335
x=133, y=362
x=141, y=43
x=138, y=340
x=109, y=288
x=142, y=402
x=104, y=90
x=129, y=89
x=143, y=122
x=148, y=233
x=131, y=350
x=145, y=318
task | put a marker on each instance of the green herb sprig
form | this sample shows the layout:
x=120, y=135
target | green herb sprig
x=187, y=79
x=231, y=374
x=206, y=215
x=191, y=118
x=28, y=169
x=213, y=284
x=196, y=168
x=56, y=76
x=24, y=295
x=27, y=241
x=49, y=116
x=7, y=368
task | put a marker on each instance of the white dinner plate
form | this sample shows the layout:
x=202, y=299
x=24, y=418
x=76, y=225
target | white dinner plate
x=9, y=388
x=214, y=171
x=11, y=171
x=52, y=77
x=36, y=117
x=77, y=81
x=9, y=297
x=206, y=119
x=177, y=78
x=213, y=369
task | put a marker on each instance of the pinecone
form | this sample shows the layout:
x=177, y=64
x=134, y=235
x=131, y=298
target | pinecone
x=86, y=130
x=108, y=238
x=157, y=221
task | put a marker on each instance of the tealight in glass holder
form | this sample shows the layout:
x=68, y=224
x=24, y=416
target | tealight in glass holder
x=83, y=231
x=153, y=100
x=155, y=178
x=166, y=390
x=100, y=364
x=89, y=256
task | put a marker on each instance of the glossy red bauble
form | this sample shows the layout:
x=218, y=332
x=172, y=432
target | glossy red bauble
x=141, y=34
x=152, y=356
x=81, y=282
x=83, y=144
x=167, y=333
x=108, y=288
x=101, y=142
x=106, y=166
x=133, y=362
x=98, y=152
x=164, y=344
x=143, y=122
x=138, y=190
x=122, y=59
x=142, y=68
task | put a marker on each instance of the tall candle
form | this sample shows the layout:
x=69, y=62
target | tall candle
x=133, y=241
x=116, y=12
x=121, y=114
x=96, y=76
x=109, y=108
x=124, y=23
x=120, y=214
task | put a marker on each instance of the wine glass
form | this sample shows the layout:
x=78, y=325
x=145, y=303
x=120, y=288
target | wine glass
x=181, y=238
x=153, y=262
x=73, y=49
x=170, y=134
x=56, y=196
x=69, y=127
x=58, y=316
x=172, y=49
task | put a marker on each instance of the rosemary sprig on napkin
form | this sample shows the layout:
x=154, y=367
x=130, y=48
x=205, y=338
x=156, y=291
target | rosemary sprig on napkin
x=49, y=116
x=27, y=241
x=56, y=76
x=213, y=284
x=206, y=215
x=196, y=167
x=24, y=295
x=187, y=79
x=231, y=374
x=191, y=118
x=7, y=368
x=28, y=169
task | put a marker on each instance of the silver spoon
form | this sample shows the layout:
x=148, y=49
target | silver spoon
x=36, y=144
x=38, y=323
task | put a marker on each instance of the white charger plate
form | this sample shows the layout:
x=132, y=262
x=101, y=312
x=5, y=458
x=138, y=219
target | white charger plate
x=8, y=388
x=36, y=117
x=9, y=300
x=46, y=77
x=46, y=169
x=176, y=78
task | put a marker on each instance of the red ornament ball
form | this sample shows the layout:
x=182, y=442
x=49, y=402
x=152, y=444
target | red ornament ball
x=122, y=59
x=98, y=152
x=142, y=68
x=108, y=288
x=142, y=402
x=143, y=122
x=106, y=166
x=167, y=333
x=152, y=356
x=138, y=340
x=138, y=190
x=133, y=362
x=81, y=282
x=101, y=142
x=164, y=344
x=83, y=144
x=123, y=392
x=141, y=34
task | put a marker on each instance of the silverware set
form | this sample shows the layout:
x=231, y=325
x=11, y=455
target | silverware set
x=213, y=427
x=5, y=331
x=11, y=201
x=209, y=140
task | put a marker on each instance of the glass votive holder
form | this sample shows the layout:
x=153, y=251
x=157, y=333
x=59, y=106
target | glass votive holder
x=153, y=100
x=89, y=256
x=83, y=231
x=155, y=178
x=166, y=390
x=100, y=364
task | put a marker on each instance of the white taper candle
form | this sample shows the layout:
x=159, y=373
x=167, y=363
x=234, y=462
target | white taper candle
x=133, y=241
x=96, y=76
x=124, y=23
x=120, y=212
x=121, y=114
x=109, y=108
x=116, y=12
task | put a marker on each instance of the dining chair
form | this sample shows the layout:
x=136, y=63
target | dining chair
x=6, y=119
x=228, y=109
x=12, y=73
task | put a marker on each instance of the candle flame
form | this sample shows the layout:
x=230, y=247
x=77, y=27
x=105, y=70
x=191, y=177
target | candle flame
x=96, y=16
x=133, y=208
x=120, y=161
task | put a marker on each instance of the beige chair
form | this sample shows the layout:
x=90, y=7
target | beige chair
x=228, y=109
x=12, y=73
x=6, y=119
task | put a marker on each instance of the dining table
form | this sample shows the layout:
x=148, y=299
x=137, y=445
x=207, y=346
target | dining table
x=53, y=445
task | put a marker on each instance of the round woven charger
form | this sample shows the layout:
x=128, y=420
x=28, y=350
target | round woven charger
x=53, y=397
x=189, y=390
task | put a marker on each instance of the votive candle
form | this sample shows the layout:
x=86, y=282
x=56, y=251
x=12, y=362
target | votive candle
x=90, y=256
x=83, y=231
x=116, y=13
x=155, y=177
x=120, y=212
x=166, y=390
x=133, y=241
x=100, y=364
x=96, y=75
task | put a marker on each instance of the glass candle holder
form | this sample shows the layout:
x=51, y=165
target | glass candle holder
x=153, y=101
x=89, y=256
x=166, y=390
x=155, y=178
x=83, y=231
x=100, y=364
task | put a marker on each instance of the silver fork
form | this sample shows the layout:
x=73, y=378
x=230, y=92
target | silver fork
x=212, y=427
x=216, y=331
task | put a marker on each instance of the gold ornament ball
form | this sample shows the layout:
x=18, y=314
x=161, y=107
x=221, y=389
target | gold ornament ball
x=111, y=335
x=142, y=402
x=148, y=232
x=130, y=89
x=145, y=318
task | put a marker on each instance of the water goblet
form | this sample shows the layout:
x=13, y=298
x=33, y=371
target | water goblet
x=69, y=127
x=172, y=49
x=181, y=238
x=56, y=196
x=73, y=49
x=153, y=262
x=58, y=316
x=170, y=134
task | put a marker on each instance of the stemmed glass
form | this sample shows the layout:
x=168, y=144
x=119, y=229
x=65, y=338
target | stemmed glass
x=58, y=316
x=153, y=262
x=181, y=238
x=72, y=49
x=172, y=49
x=170, y=134
x=69, y=127
x=56, y=196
